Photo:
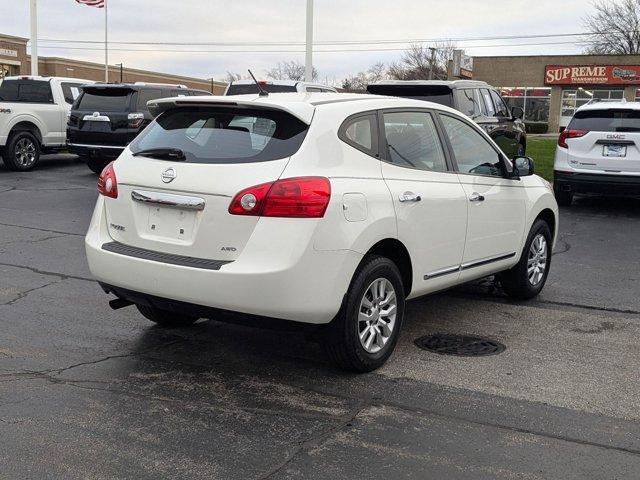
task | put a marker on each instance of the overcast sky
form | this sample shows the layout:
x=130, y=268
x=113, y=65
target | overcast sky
x=259, y=21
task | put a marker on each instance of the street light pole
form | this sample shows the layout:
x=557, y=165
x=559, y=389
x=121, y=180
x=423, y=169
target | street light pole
x=34, y=37
x=308, y=64
x=120, y=64
x=433, y=62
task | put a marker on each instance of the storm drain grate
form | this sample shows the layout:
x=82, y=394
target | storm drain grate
x=460, y=345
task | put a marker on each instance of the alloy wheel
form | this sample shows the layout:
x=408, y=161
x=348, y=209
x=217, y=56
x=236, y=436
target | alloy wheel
x=537, y=260
x=25, y=152
x=377, y=315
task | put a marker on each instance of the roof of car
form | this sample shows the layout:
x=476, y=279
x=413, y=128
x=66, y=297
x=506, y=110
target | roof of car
x=299, y=104
x=140, y=86
x=47, y=79
x=609, y=105
x=426, y=83
x=288, y=83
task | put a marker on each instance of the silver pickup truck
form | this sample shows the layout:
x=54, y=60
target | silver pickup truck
x=33, y=117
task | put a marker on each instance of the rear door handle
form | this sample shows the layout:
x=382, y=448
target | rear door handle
x=476, y=197
x=409, y=197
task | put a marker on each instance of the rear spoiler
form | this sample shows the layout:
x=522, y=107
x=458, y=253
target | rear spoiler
x=301, y=110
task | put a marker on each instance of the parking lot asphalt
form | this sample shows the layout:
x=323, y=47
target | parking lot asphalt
x=87, y=392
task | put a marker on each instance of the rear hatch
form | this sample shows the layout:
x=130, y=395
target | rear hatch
x=100, y=116
x=606, y=140
x=226, y=149
x=441, y=94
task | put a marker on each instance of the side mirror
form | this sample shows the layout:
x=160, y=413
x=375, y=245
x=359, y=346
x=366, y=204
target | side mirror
x=517, y=113
x=523, y=166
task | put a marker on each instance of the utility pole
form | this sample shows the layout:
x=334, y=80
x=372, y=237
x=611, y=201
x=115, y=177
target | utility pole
x=120, y=65
x=34, y=37
x=308, y=63
x=211, y=79
x=433, y=62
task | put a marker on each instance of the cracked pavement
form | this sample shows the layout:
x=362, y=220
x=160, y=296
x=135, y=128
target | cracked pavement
x=91, y=393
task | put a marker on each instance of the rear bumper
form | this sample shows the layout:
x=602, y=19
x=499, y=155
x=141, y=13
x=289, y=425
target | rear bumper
x=577, y=182
x=95, y=150
x=266, y=280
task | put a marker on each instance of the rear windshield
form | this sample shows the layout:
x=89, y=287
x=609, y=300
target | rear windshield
x=244, y=89
x=105, y=100
x=606, y=121
x=224, y=135
x=27, y=91
x=433, y=93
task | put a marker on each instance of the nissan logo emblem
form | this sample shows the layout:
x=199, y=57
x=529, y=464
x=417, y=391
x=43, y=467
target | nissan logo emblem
x=169, y=175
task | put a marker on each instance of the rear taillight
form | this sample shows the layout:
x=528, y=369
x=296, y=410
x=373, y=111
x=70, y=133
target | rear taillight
x=301, y=197
x=562, y=139
x=134, y=120
x=107, y=183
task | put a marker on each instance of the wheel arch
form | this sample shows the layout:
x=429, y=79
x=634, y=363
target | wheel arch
x=394, y=250
x=27, y=126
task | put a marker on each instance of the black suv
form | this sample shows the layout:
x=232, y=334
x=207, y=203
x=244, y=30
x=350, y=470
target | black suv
x=478, y=100
x=106, y=117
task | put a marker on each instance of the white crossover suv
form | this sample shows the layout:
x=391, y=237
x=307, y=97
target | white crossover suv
x=599, y=152
x=325, y=209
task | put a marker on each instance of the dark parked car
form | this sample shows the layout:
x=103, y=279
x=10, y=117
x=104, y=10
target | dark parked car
x=106, y=117
x=478, y=100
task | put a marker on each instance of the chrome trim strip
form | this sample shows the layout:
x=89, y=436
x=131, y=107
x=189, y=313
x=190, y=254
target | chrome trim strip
x=479, y=263
x=86, y=145
x=442, y=272
x=168, y=258
x=168, y=200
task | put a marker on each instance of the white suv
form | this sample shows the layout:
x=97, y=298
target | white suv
x=325, y=209
x=599, y=152
x=245, y=87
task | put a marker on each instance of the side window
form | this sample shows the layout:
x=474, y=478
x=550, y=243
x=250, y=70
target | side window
x=360, y=132
x=501, y=108
x=71, y=91
x=412, y=141
x=477, y=94
x=468, y=102
x=147, y=94
x=314, y=89
x=488, y=103
x=179, y=93
x=472, y=152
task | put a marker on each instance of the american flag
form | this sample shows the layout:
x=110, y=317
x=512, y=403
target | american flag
x=93, y=3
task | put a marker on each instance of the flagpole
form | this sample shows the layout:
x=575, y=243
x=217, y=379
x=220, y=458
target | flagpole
x=34, y=37
x=106, y=47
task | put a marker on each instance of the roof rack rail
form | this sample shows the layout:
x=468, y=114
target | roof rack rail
x=606, y=100
x=174, y=85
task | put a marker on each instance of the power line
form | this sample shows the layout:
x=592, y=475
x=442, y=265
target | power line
x=302, y=51
x=327, y=42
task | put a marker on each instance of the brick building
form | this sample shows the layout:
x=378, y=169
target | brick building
x=551, y=87
x=14, y=60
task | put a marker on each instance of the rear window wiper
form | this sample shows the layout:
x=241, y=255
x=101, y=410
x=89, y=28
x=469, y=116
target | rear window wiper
x=162, y=153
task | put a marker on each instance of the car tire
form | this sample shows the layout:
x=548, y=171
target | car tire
x=564, y=199
x=96, y=164
x=165, y=318
x=525, y=280
x=379, y=335
x=22, y=152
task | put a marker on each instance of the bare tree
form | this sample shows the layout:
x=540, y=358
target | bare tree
x=292, y=70
x=232, y=77
x=614, y=27
x=359, y=82
x=418, y=60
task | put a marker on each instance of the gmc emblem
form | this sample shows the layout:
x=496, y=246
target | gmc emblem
x=615, y=137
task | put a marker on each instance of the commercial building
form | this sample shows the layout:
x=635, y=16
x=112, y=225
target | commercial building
x=550, y=88
x=14, y=60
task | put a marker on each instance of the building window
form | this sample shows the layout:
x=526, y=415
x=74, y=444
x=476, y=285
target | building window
x=534, y=101
x=574, y=99
x=638, y=95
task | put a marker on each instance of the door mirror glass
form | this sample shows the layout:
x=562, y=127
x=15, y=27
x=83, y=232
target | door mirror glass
x=523, y=166
x=517, y=113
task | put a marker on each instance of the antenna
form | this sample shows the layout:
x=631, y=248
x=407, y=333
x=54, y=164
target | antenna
x=261, y=91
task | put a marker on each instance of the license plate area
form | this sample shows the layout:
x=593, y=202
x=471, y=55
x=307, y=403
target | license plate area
x=614, y=151
x=171, y=223
x=97, y=126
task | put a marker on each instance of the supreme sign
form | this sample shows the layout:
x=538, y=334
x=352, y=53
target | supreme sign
x=592, y=74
